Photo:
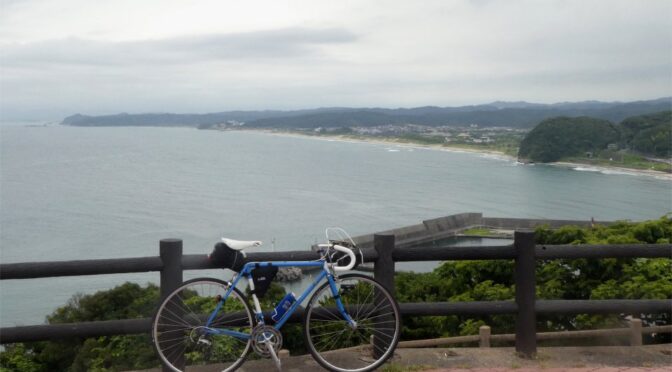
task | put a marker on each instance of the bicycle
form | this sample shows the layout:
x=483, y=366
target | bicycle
x=351, y=323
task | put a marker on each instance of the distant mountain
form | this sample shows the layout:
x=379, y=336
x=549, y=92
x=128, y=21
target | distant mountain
x=189, y=120
x=506, y=114
x=517, y=104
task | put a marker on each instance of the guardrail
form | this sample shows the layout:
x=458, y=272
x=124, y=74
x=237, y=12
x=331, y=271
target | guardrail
x=171, y=263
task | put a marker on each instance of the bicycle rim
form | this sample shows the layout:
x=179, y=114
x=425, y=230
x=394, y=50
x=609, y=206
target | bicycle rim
x=180, y=338
x=334, y=343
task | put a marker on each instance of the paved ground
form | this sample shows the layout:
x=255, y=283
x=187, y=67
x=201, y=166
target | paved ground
x=598, y=369
x=549, y=359
x=575, y=359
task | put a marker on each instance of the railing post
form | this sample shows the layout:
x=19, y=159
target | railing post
x=170, y=251
x=383, y=268
x=383, y=272
x=525, y=281
x=635, y=332
x=484, y=336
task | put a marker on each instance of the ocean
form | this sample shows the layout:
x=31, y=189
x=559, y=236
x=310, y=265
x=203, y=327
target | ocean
x=71, y=193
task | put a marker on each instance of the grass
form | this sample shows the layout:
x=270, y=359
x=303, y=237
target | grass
x=477, y=231
x=486, y=232
x=510, y=149
x=622, y=159
x=395, y=367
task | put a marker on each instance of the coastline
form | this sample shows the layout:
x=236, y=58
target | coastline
x=613, y=170
x=494, y=153
x=344, y=138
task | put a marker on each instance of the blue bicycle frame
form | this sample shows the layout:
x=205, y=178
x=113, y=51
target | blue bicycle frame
x=246, y=272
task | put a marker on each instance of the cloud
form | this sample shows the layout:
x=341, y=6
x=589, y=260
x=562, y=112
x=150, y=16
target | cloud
x=267, y=44
x=169, y=55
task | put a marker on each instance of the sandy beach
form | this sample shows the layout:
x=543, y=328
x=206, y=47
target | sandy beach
x=342, y=138
x=497, y=154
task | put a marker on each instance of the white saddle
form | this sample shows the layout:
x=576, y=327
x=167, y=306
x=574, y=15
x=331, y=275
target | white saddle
x=240, y=245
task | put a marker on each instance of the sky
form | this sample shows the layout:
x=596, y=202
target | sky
x=60, y=57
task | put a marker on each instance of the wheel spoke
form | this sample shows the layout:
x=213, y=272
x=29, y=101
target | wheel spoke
x=179, y=330
x=375, y=313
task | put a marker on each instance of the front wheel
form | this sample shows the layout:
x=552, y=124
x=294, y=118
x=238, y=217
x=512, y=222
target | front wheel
x=338, y=345
x=181, y=338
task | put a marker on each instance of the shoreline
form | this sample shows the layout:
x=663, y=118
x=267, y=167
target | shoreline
x=574, y=166
x=613, y=170
x=376, y=141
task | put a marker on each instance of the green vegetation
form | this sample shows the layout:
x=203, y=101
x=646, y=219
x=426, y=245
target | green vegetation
x=394, y=367
x=126, y=301
x=554, y=139
x=648, y=134
x=423, y=140
x=601, y=142
x=556, y=279
x=477, y=231
x=111, y=353
x=452, y=281
x=506, y=143
x=621, y=159
x=486, y=232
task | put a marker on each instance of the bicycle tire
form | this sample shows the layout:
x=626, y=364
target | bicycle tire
x=332, y=341
x=178, y=326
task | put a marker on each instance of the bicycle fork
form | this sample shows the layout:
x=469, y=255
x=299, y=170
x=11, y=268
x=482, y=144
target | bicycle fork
x=339, y=304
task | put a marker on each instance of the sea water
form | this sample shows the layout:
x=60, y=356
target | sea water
x=70, y=193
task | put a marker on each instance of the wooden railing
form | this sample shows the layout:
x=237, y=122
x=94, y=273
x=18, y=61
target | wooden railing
x=171, y=263
x=484, y=337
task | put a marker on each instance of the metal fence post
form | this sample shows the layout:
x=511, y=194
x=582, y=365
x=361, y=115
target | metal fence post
x=170, y=251
x=525, y=281
x=383, y=272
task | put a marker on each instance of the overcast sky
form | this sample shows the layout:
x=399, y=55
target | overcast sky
x=60, y=57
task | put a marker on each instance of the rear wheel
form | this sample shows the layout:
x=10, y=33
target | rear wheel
x=180, y=337
x=338, y=346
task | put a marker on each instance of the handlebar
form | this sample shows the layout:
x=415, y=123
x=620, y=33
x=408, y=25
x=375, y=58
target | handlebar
x=342, y=249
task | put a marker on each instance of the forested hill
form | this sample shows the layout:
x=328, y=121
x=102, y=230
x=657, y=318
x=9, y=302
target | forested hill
x=558, y=138
x=507, y=114
x=648, y=134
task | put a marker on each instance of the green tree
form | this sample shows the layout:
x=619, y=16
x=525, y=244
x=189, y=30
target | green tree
x=648, y=134
x=640, y=278
x=126, y=301
x=560, y=137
